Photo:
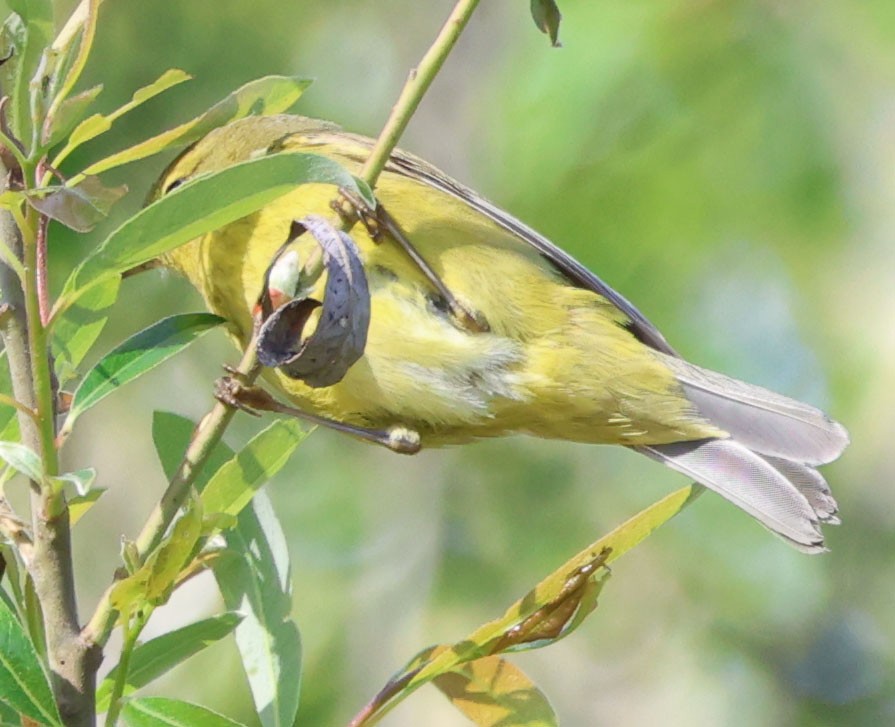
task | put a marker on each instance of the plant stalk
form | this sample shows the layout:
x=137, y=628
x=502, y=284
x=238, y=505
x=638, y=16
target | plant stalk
x=72, y=664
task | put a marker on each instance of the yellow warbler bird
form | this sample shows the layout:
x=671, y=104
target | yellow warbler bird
x=561, y=355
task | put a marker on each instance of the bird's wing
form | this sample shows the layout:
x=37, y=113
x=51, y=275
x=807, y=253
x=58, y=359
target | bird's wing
x=415, y=168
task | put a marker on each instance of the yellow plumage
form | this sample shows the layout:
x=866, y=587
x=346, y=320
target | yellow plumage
x=564, y=356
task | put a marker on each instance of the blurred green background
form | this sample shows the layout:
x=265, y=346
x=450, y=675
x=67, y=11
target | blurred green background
x=727, y=165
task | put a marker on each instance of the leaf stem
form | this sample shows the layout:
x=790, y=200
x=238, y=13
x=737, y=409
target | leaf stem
x=121, y=673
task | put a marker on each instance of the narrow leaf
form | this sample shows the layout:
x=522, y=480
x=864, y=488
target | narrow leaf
x=264, y=96
x=22, y=459
x=254, y=579
x=139, y=354
x=151, y=660
x=81, y=25
x=162, y=712
x=76, y=330
x=552, y=589
x=8, y=414
x=256, y=582
x=153, y=582
x=171, y=434
x=541, y=616
x=236, y=482
x=493, y=693
x=197, y=207
x=547, y=17
x=81, y=480
x=98, y=124
x=23, y=684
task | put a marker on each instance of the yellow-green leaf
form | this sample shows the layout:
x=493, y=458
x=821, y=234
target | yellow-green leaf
x=99, y=124
x=236, y=482
x=493, y=693
x=268, y=95
x=550, y=611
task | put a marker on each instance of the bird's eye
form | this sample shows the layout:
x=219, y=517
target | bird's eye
x=174, y=185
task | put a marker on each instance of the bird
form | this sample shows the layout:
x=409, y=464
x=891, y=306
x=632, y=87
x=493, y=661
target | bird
x=554, y=352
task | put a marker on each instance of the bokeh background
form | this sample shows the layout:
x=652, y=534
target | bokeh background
x=728, y=165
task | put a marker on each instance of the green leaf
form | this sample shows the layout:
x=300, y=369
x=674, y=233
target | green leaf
x=264, y=96
x=162, y=712
x=70, y=113
x=81, y=480
x=133, y=358
x=8, y=716
x=155, y=579
x=77, y=329
x=23, y=684
x=79, y=208
x=78, y=32
x=151, y=660
x=256, y=582
x=26, y=33
x=80, y=504
x=235, y=483
x=22, y=459
x=99, y=124
x=9, y=429
x=195, y=208
x=171, y=434
x=492, y=692
x=547, y=16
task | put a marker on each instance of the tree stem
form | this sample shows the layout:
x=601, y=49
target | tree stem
x=72, y=664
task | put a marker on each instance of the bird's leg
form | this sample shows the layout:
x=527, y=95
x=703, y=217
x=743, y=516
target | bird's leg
x=253, y=399
x=380, y=223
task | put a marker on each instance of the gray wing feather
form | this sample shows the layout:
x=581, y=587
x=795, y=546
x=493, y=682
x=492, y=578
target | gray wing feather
x=411, y=166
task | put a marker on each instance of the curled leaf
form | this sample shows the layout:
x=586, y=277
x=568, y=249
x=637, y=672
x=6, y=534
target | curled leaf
x=338, y=341
x=561, y=615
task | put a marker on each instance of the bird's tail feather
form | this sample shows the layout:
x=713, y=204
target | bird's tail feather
x=763, y=421
x=788, y=498
x=767, y=466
